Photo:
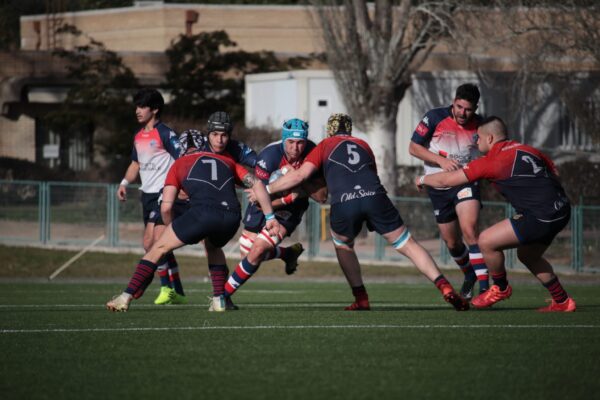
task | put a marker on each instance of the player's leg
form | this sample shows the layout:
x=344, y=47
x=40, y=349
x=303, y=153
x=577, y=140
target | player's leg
x=248, y=266
x=166, y=292
x=145, y=269
x=401, y=239
x=492, y=242
x=346, y=256
x=290, y=254
x=468, y=217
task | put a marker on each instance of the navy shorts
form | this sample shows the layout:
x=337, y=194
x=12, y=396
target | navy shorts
x=255, y=222
x=149, y=205
x=204, y=222
x=529, y=229
x=179, y=208
x=445, y=201
x=377, y=211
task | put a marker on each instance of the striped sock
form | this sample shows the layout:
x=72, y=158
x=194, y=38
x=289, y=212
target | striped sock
x=242, y=273
x=479, y=266
x=218, y=276
x=556, y=290
x=500, y=280
x=277, y=252
x=462, y=259
x=174, y=279
x=163, y=274
x=141, y=279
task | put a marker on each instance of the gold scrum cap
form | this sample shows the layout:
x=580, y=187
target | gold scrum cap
x=339, y=124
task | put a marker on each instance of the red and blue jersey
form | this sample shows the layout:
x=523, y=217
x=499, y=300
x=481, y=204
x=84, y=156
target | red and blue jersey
x=155, y=151
x=209, y=179
x=271, y=159
x=349, y=168
x=240, y=152
x=442, y=135
x=525, y=176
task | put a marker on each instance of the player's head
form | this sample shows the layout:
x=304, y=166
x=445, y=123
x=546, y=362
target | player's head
x=491, y=130
x=294, y=135
x=219, y=129
x=465, y=103
x=190, y=140
x=148, y=103
x=339, y=124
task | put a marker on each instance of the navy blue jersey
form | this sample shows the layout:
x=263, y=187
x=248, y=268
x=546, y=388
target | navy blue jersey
x=209, y=179
x=349, y=168
x=271, y=159
x=240, y=152
x=155, y=151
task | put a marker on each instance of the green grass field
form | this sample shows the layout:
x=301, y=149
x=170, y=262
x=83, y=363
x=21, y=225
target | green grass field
x=290, y=340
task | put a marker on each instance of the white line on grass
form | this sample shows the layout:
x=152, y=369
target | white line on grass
x=284, y=327
x=243, y=305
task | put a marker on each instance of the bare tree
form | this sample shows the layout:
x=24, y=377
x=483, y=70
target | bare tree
x=373, y=51
x=535, y=52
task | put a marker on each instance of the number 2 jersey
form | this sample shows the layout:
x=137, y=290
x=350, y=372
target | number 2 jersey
x=525, y=176
x=209, y=179
x=349, y=168
x=155, y=152
x=442, y=135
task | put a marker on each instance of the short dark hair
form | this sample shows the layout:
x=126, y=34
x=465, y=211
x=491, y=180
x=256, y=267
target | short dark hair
x=469, y=92
x=149, y=98
x=497, y=125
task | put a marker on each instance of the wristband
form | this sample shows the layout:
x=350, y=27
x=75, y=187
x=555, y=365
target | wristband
x=268, y=189
x=269, y=216
x=124, y=182
x=287, y=199
x=422, y=180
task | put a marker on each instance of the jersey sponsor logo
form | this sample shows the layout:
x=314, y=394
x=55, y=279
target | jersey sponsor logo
x=358, y=194
x=153, y=143
x=261, y=173
x=464, y=193
x=422, y=129
x=149, y=167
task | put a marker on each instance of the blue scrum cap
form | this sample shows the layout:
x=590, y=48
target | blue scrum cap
x=294, y=129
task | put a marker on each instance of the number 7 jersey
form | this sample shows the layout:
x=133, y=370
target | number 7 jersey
x=208, y=178
x=349, y=168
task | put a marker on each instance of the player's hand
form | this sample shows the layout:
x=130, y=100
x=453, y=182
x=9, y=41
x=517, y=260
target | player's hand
x=273, y=227
x=418, y=183
x=448, y=164
x=122, y=193
x=251, y=196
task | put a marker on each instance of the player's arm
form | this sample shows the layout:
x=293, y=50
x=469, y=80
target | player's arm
x=169, y=194
x=422, y=153
x=292, y=178
x=130, y=175
x=442, y=179
x=264, y=200
x=316, y=188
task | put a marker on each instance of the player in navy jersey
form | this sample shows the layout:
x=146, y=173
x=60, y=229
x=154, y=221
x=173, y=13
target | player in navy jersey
x=156, y=146
x=256, y=245
x=443, y=140
x=528, y=180
x=357, y=196
x=214, y=213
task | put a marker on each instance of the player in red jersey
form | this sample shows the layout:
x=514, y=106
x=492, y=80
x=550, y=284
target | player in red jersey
x=443, y=140
x=208, y=178
x=527, y=178
x=357, y=196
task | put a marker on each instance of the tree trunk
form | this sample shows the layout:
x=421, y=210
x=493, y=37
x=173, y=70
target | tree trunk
x=381, y=130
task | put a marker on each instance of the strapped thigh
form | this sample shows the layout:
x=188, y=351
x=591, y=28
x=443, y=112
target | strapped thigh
x=401, y=240
x=272, y=240
x=245, y=244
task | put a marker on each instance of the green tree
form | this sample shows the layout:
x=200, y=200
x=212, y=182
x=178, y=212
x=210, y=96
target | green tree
x=206, y=73
x=98, y=99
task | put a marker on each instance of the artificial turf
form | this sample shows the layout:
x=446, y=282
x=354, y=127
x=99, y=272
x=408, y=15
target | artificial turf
x=292, y=340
